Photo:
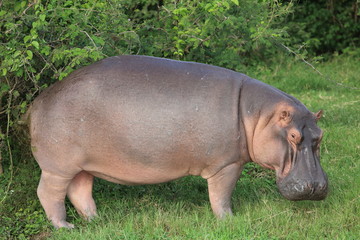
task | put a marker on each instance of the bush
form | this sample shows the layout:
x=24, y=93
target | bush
x=325, y=26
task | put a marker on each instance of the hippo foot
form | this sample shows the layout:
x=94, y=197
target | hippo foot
x=225, y=213
x=90, y=216
x=62, y=224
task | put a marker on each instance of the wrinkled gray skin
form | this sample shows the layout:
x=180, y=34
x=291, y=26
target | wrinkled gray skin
x=145, y=120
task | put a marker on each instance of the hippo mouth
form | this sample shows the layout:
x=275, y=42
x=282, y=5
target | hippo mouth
x=299, y=189
x=304, y=178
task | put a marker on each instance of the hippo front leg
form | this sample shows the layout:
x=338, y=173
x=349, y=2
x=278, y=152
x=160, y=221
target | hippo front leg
x=221, y=186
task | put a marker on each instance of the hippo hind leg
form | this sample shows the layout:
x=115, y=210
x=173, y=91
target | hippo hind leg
x=80, y=194
x=51, y=192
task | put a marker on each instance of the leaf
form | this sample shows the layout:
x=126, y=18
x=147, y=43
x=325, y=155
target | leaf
x=30, y=54
x=42, y=17
x=16, y=93
x=45, y=50
x=17, y=53
x=23, y=106
x=37, y=76
x=236, y=2
x=19, y=5
x=27, y=38
x=35, y=24
x=4, y=88
x=4, y=71
x=35, y=44
x=98, y=40
x=19, y=72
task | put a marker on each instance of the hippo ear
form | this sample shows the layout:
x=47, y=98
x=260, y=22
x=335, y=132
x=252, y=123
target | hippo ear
x=285, y=116
x=318, y=115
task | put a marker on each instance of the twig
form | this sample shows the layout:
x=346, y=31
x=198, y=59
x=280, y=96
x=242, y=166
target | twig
x=29, y=6
x=80, y=9
x=1, y=143
x=315, y=69
x=269, y=217
x=346, y=103
x=297, y=55
x=89, y=38
x=11, y=167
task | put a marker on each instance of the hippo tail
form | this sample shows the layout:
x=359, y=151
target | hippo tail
x=25, y=118
x=22, y=129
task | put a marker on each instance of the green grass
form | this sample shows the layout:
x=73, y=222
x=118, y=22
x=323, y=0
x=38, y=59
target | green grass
x=181, y=210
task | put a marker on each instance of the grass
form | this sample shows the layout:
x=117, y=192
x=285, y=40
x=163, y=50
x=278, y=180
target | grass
x=181, y=210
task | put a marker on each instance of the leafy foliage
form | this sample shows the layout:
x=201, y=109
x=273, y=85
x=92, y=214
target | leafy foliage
x=325, y=26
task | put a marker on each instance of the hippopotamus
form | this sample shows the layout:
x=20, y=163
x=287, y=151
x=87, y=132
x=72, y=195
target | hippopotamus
x=146, y=120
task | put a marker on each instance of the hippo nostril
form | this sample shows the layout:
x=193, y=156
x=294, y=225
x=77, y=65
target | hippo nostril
x=299, y=187
x=312, y=189
x=322, y=186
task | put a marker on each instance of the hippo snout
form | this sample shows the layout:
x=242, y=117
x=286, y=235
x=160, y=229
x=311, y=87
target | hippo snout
x=298, y=189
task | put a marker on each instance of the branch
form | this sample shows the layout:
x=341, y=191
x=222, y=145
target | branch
x=89, y=38
x=315, y=69
x=11, y=167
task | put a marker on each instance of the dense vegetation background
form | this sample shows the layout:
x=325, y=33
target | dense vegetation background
x=42, y=41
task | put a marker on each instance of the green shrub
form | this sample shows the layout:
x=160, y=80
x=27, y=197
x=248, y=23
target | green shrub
x=325, y=26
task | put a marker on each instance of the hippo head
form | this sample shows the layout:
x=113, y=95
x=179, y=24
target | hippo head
x=288, y=141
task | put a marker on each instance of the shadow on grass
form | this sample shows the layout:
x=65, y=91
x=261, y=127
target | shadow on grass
x=190, y=192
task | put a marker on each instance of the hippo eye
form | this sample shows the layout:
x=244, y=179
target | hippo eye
x=293, y=135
